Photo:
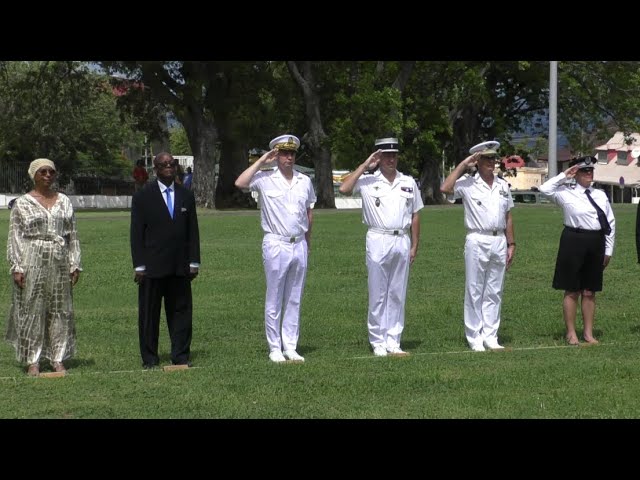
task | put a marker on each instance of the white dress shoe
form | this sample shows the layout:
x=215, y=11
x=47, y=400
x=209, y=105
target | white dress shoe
x=477, y=347
x=293, y=355
x=380, y=351
x=276, y=356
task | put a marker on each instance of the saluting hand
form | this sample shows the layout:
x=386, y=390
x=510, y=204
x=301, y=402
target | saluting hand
x=571, y=171
x=471, y=160
x=373, y=160
x=268, y=157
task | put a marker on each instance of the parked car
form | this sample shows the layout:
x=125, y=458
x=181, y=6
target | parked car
x=528, y=196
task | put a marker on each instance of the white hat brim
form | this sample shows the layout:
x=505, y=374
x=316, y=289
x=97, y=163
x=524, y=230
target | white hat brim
x=490, y=145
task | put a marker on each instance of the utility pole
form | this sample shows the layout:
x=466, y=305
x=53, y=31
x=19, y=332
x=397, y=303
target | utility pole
x=552, y=169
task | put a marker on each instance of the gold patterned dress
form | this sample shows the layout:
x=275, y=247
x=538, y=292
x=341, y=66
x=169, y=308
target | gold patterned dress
x=43, y=245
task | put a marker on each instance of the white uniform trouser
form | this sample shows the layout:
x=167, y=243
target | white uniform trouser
x=388, y=267
x=485, y=261
x=285, y=268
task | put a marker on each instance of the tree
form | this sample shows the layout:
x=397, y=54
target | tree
x=315, y=137
x=438, y=109
x=178, y=141
x=150, y=89
x=221, y=106
x=63, y=111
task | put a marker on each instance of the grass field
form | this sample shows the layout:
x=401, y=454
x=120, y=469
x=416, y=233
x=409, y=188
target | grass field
x=539, y=377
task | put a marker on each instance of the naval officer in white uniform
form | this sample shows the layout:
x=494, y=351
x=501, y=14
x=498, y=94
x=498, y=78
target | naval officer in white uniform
x=286, y=219
x=390, y=205
x=489, y=246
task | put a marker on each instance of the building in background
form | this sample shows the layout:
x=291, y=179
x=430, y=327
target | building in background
x=617, y=172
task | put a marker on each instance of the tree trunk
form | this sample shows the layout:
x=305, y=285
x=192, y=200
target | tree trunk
x=233, y=161
x=430, y=182
x=324, y=172
x=203, y=139
x=315, y=138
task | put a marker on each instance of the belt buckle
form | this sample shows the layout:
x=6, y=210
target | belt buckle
x=495, y=232
x=395, y=232
x=292, y=240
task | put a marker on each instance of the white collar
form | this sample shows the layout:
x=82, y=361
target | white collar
x=163, y=187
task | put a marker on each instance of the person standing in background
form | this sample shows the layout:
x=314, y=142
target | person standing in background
x=140, y=175
x=188, y=178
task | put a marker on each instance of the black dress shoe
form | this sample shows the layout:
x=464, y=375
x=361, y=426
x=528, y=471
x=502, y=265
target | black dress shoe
x=150, y=366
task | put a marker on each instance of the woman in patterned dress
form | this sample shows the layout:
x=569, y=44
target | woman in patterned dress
x=44, y=255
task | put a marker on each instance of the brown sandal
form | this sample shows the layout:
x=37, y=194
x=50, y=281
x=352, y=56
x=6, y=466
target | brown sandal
x=58, y=367
x=33, y=370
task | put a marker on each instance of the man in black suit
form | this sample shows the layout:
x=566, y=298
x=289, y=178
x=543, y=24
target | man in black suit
x=165, y=249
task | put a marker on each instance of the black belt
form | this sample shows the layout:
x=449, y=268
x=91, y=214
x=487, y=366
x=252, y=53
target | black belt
x=581, y=230
x=492, y=233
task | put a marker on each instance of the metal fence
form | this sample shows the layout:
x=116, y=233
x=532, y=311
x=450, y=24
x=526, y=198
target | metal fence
x=14, y=177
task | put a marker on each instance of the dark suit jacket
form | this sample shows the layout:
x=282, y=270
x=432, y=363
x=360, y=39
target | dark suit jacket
x=165, y=246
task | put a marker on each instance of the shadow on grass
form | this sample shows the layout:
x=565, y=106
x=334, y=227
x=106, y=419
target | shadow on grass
x=306, y=349
x=410, y=344
x=78, y=362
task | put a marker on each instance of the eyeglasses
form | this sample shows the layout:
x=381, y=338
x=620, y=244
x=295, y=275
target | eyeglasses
x=45, y=171
x=166, y=164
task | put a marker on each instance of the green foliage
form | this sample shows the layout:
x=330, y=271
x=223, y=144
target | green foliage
x=62, y=111
x=445, y=106
x=178, y=142
x=595, y=99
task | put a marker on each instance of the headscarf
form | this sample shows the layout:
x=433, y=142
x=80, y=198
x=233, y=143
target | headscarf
x=38, y=163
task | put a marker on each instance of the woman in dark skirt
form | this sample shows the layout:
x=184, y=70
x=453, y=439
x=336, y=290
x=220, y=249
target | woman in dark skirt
x=586, y=243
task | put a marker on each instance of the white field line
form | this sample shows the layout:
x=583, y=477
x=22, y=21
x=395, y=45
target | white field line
x=360, y=357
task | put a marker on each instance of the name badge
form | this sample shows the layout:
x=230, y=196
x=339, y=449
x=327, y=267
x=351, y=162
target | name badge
x=407, y=189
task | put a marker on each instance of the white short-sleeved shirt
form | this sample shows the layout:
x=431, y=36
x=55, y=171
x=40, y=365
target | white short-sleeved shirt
x=485, y=207
x=283, y=205
x=577, y=209
x=388, y=205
